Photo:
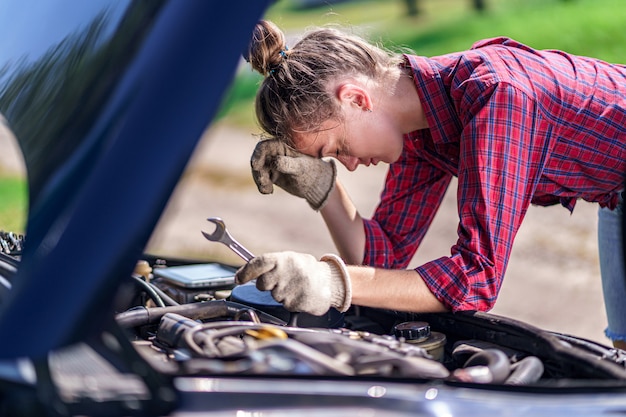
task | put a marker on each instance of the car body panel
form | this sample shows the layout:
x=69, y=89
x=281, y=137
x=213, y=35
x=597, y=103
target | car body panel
x=106, y=108
x=384, y=398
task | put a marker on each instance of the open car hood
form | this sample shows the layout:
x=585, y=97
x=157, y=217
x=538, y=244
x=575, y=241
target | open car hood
x=90, y=89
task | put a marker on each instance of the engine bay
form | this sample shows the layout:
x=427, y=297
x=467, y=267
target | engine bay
x=188, y=322
x=184, y=327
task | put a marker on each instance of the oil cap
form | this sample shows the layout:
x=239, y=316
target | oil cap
x=412, y=331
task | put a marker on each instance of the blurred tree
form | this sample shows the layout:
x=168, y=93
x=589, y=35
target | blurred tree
x=479, y=5
x=412, y=8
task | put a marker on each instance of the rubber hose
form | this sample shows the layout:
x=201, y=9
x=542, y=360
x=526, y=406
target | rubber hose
x=527, y=371
x=157, y=294
x=166, y=298
x=464, y=349
x=495, y=360
x=149, y=289
x=142, y=316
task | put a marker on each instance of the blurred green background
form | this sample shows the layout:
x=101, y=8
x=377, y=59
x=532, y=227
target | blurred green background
x=12, y=203
x=585, y=27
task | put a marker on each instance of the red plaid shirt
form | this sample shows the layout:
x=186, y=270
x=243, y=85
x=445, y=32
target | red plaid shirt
x=517, y=126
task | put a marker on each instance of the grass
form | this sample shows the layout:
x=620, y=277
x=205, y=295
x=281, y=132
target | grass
x=13, y=204
x=584, y=27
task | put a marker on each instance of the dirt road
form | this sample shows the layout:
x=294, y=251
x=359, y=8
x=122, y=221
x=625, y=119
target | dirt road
x=553, y=276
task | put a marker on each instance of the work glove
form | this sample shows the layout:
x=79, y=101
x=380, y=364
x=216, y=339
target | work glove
x=273, y=162
x=300, y=282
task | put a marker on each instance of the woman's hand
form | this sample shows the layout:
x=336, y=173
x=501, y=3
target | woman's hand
x=300, y=282
x=273, y=162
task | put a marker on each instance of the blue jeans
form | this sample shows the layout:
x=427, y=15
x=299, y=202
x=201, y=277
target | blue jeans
x=612, y=270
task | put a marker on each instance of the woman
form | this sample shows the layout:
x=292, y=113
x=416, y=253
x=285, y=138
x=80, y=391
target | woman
x=515, y=125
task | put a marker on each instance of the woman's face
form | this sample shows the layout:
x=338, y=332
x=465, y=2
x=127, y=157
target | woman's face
x=362, y=139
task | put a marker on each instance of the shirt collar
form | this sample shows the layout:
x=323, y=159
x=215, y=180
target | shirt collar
x=433, y=91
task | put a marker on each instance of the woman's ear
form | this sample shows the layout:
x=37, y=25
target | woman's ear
x=354, y=96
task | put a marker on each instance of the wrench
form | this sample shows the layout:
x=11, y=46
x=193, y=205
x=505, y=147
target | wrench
x=221, y=235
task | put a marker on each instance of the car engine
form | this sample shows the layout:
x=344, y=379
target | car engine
x=187, y=321
x=189, y=318
x=184, y=326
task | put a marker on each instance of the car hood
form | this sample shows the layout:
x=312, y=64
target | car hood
x=98, y=93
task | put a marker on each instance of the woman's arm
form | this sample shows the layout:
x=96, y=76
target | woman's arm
x=393, y=289
x=402, y=290
x=302, y=283
x=345, y=225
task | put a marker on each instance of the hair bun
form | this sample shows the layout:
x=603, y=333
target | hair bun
x=267, y=47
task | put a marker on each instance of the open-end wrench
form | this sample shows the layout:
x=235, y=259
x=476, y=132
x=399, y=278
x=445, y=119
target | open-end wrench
x=221, y=235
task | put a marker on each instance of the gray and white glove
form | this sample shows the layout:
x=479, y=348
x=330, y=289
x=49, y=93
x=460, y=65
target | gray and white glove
x=300, y=282
x=273, y=162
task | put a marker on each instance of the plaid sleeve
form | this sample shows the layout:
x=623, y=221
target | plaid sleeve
x=502, y=152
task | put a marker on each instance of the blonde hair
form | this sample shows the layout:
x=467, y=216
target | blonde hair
x=295, y=94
